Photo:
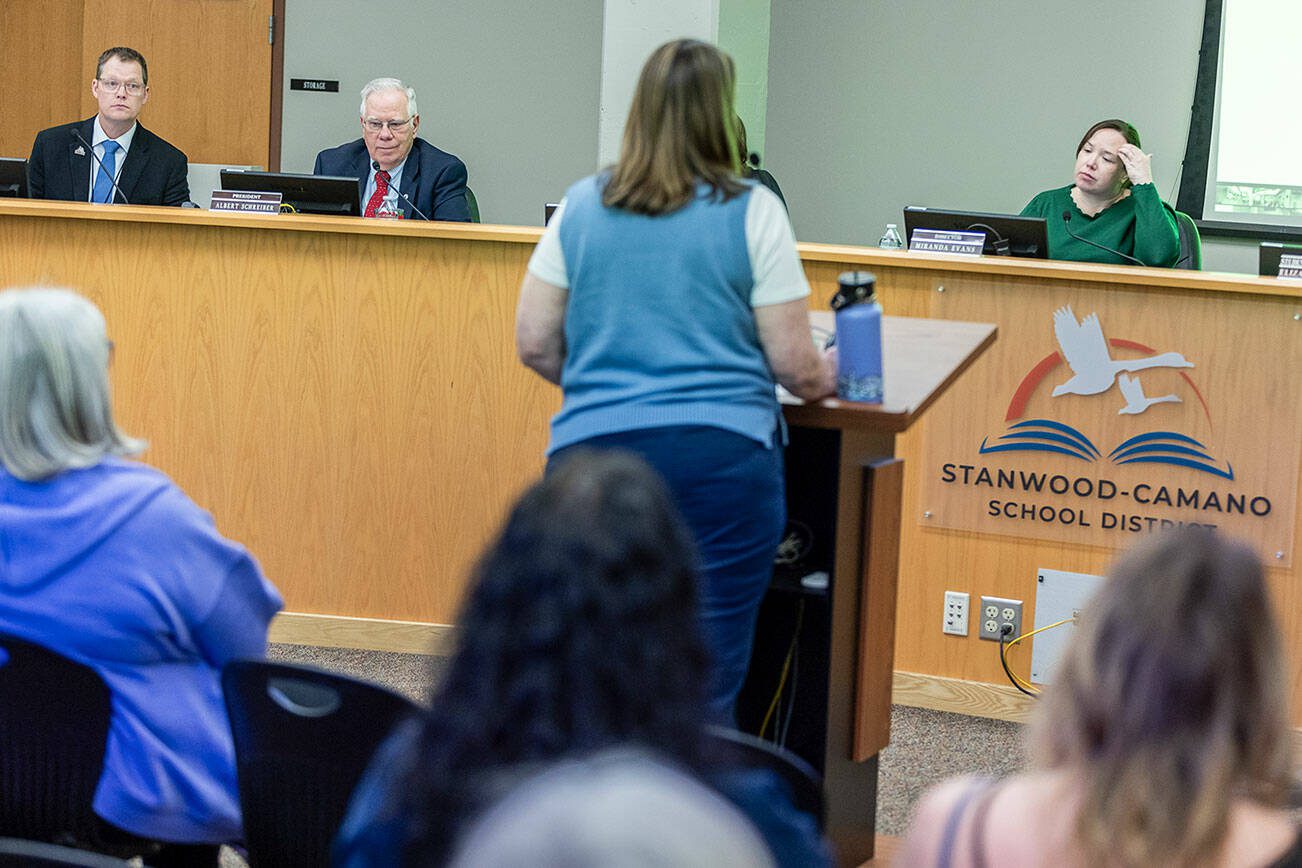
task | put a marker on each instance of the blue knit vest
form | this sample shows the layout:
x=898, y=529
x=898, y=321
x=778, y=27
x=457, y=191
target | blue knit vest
x=658, y=324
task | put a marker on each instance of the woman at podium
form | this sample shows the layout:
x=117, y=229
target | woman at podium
x=1111, y=212
x=665, y=297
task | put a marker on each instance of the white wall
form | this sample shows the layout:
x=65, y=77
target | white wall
x=632, y=30
x=509, y=86
x=878, y=104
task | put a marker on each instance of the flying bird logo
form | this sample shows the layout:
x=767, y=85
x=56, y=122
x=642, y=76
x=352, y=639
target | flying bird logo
x=1094, y=371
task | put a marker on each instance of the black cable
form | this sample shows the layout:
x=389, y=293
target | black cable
x=1003, y=661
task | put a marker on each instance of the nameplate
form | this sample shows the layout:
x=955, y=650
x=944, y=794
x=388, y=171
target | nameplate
x=240, y=200
x=1290, y=265
x=936, y=241
x=319, y=85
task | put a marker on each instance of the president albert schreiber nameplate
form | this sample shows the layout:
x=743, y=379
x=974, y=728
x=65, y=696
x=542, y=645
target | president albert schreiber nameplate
x=239, y=200
x=935, y=241
x=1290, y=265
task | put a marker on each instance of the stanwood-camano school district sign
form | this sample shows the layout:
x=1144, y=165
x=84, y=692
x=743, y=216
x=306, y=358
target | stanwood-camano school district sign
x=1102, y=415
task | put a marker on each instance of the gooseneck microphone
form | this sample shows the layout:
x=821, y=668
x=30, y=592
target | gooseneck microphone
x=375, y=164
x=404, y=197
x=1066, y=224
x=98, y=164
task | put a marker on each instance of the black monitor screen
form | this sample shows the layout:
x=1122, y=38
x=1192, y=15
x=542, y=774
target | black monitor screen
x=1268, y=255
x=13, y=177
x=308, y=194
x=1006, y=235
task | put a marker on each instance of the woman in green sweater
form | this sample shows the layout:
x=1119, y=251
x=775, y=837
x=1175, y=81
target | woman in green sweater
x=1112, y=203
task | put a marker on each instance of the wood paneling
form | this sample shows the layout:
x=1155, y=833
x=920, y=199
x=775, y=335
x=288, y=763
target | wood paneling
x=41, y=63
x=879, y=577
x=209, y=72
x=935, y=560
x=973, y=698
x=374, y=634
x=347, y=404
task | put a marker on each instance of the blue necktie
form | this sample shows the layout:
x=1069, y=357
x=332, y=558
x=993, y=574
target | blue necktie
x=104, y=179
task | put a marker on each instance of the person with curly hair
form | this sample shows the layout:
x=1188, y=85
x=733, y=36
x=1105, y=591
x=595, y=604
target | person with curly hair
x=578, y=634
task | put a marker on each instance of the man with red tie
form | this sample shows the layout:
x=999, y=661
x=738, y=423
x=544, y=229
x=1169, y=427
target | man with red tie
x=110, y=158
x=399, y=174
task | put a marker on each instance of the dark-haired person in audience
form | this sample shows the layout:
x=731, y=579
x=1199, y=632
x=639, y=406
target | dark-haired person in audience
x=106, y=561
x=393, y=165
x=578, y=634
x=1111, y=201
x=145, y=169
x=665, y=298
x=1163, y=741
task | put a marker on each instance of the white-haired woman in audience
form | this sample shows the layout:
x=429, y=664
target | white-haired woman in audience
x=1163, y=740
x=106, y=561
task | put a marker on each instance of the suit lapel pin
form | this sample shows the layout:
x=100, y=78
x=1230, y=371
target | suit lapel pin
x=81, y=152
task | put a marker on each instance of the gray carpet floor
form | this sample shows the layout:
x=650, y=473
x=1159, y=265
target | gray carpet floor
x=926, y=746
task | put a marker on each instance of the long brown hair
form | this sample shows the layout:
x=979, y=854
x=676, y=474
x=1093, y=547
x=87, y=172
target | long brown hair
x=679, y=131
x=1170, y=703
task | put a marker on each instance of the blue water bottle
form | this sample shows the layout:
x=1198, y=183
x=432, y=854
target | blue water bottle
x=858, y=338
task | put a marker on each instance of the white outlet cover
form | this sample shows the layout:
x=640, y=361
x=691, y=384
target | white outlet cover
x=956, y=603
x=1058, y=594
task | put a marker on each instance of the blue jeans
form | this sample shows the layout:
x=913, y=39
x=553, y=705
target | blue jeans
x=730, y=491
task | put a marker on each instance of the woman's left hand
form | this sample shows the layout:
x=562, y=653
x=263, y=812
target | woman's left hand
x=1139, y=166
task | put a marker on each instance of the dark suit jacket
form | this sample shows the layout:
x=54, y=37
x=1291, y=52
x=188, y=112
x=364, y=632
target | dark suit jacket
x=433, y=179
x=154, y=172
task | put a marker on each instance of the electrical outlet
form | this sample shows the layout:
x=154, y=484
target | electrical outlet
x=998, y=613
x=955, y=613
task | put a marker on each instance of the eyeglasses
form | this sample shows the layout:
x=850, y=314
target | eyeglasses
x=394, y=126
x=112, y=85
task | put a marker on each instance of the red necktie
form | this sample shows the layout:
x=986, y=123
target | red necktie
x=381, y=190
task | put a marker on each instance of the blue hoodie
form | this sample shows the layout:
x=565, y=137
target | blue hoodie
x=115, y=567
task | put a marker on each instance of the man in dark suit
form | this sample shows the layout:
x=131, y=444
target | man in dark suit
x=110, y=158
x=397, y=172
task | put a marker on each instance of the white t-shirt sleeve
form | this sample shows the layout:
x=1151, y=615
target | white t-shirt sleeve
x=548, y=260
x=775, y=265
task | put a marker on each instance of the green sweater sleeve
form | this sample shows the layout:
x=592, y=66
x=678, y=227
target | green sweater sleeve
x=1157, y=239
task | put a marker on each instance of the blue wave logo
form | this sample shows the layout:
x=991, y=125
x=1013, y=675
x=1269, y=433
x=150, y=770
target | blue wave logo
x=1168, y=447
x=1044, y=435
x=1155, y=447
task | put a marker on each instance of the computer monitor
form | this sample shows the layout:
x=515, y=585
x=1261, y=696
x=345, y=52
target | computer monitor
x=1269, y=253
x=307, y=194
x=13, y=177
x=1006, y=234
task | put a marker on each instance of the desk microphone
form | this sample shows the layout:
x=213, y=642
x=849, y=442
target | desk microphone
x=1066, y=224
x=112, y=180
x=375, y=164
x=404, y=197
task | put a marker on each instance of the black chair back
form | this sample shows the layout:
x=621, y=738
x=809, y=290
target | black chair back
x=303, y=737
x=473, y=204
x=806, y=785
x=35, y=854
x=54, y=720
x=1191, y=243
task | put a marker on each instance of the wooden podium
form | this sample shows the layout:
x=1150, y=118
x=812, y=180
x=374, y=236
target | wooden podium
x=844, y=489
